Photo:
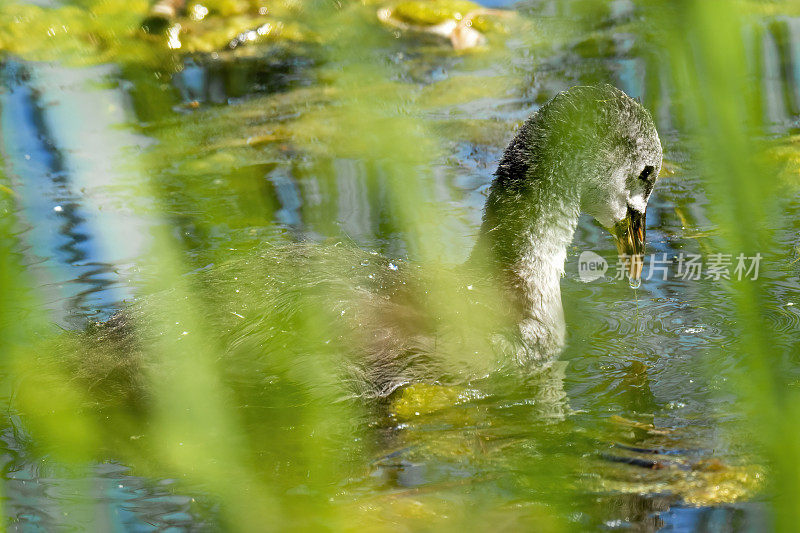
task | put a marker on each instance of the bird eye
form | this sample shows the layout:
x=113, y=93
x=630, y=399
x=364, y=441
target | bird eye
x=646, y=172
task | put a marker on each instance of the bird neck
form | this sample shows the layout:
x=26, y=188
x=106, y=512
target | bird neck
x=524, y=238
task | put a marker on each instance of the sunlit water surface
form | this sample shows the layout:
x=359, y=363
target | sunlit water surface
x=642, y=437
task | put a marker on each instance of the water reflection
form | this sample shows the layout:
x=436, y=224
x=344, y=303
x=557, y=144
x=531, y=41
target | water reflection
x=216, y=79
x=63, y=158
x=777, y=50
x=634, y=355
x=43, y=496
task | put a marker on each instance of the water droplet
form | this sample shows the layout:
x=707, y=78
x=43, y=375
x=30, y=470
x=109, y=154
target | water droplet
x=635, y=283
x=392, y=266
x=364, y=262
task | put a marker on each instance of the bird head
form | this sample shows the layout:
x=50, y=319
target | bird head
x=590, y=144
x=617, y=164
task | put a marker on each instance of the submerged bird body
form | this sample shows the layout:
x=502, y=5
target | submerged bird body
x=590, y=149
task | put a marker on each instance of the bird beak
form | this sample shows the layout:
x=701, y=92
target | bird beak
x=629, y=236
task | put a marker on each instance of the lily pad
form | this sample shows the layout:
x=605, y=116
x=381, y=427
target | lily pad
x=431, y=13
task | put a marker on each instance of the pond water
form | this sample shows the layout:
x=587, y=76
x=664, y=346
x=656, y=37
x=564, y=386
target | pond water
x=643, y=432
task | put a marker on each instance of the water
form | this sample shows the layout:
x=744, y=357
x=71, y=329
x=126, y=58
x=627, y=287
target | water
x=635, y=430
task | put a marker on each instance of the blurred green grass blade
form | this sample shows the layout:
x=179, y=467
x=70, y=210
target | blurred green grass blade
x=723, y=108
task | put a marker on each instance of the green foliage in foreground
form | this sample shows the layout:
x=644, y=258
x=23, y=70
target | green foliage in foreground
x=272, y=437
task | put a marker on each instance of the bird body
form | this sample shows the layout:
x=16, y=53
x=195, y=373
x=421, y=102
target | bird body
x=585, y=150
x=389, y=323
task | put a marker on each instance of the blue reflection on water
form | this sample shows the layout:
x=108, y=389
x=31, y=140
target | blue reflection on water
x=75, y=241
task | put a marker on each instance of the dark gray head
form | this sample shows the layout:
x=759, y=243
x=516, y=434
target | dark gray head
x=594, y=144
